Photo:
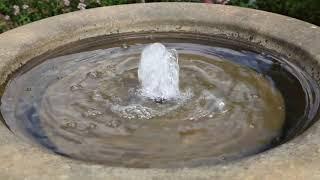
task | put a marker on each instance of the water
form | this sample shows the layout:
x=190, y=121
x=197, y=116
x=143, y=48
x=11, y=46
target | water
x=159, y=73
x=91, y=105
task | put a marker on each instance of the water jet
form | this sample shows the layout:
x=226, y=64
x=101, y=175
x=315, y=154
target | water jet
x=248, y=94
x=159, y=73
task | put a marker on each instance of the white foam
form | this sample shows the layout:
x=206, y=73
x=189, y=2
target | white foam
x=159, y=72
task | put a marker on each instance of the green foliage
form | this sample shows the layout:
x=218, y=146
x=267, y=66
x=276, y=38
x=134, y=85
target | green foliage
x=173, y=1
x=39, y=9
x=306, y=10
x=243, y=3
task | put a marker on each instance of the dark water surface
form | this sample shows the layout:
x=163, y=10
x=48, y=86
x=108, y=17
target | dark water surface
x=237, y=100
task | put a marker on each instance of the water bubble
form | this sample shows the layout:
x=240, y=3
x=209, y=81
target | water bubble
x=136, y=111
x=124, y=46
x=254, y=96
x=113, y=123
x=71, y=125
x=221, y=104
x=189, y=129
x=132, y=91
x=92, y=113
x=76, y=87
x=223, y=158
x=111, y=67
x=213, y=103
x=92, y=126
x=96, y=96
x=251, y=125
x=94, y=74
x=116, y=99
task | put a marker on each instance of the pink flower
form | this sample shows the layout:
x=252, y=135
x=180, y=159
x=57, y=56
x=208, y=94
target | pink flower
x=66, y=2
x=82, y=6
x=7, y=18
x=16, y=10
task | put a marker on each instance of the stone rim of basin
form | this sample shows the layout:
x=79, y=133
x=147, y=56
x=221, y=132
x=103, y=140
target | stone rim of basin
x=299, y=158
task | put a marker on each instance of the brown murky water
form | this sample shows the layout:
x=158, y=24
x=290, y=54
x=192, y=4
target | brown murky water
x=87, y=106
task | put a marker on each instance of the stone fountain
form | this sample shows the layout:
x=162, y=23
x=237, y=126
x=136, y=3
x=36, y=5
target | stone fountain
x=293, y=155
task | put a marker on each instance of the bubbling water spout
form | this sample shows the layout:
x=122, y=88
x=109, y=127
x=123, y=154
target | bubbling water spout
x=159, y=73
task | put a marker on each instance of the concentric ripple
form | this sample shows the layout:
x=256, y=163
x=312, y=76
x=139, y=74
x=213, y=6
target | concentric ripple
x=88, y=106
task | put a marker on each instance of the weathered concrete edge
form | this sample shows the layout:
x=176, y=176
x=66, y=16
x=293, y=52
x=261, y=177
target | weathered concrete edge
x=298, y=159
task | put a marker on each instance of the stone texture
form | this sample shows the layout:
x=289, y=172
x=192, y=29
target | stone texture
x=298, y=159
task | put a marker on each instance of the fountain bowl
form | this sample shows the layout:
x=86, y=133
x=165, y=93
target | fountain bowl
x=298, y=158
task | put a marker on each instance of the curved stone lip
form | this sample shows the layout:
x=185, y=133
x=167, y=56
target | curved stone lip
x=297, y=159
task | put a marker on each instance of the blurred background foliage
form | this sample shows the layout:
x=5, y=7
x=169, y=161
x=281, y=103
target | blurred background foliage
x=306, y=10
x=14, y=13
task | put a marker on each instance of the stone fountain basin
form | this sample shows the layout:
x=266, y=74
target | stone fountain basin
x=297, y=159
